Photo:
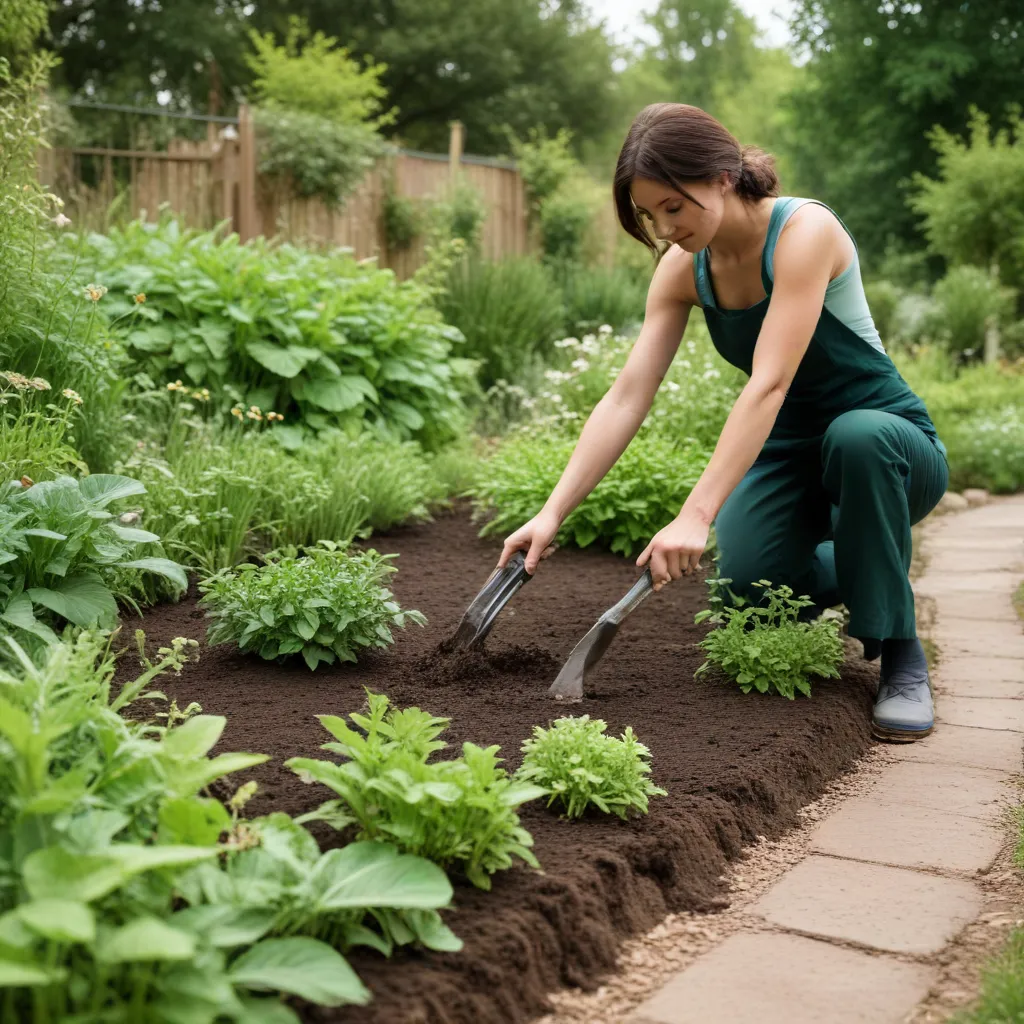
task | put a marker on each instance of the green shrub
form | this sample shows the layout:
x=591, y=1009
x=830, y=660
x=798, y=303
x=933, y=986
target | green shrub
x=966, y=300
x=566, y=217
x=580, y=766
x=509, y=312
x=403, y=220
x=595, y=296
x=883, y=301
x=642, y=493
x=455, y=812
x=326, y=605
x=37, y=443
x=320, y=338
x=60, y=550
x=765, y=647
x=459, y=215
x=987, y=450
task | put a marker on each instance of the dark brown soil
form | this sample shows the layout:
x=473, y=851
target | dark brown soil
x=735, y=766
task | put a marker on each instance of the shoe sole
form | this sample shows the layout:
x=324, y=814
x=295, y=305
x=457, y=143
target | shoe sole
x=880, y=732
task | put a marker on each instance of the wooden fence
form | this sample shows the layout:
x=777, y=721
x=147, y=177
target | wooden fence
x=216, y=179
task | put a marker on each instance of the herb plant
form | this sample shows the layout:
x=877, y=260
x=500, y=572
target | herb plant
x=765, y=647
x=581, y=767
x=61, y=550
x=459, y=812
x=642, y=492
x=325, y=605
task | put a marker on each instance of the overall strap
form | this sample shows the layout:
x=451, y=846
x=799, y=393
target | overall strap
x=701, y=279
x=783, y=209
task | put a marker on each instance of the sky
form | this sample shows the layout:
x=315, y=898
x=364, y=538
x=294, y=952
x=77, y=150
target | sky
x=622, y=16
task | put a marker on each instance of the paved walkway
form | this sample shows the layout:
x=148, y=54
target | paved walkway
x=848, y=933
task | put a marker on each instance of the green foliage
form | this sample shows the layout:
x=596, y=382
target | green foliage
x=968, y=299
x=318, y=338
x=328, y=604
x=310, y=156
x=580, y=766
x=455, y=812
x=509, y=312
x=765, y=647
x=403, y=220
x=566, y=219
x=973, y=209
x=60, y=549
x=595, y=296
x=34, y=442
x=1002, y=987
x=21, y=23
x=642, y=492
x=125, y=889
x=460, y=214
x=311, y=75
x=545, y=164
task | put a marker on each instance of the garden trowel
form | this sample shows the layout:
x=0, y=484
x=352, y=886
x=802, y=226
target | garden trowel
x=501, y=585
x=568, y=686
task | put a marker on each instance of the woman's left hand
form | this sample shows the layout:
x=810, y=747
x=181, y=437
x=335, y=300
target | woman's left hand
x=675, y=550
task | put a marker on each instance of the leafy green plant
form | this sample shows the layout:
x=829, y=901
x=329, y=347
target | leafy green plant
x=510, y=312
x=581, y=767
x=968, y=300
x=458, y=215
x=328, y=604
x=106, y=829
x=321, y=339
x=642, y=492
x=765, y=647
x=35, y=442
x=60, y=547
x=456, y=812
x=594, y=296
x=403, y=219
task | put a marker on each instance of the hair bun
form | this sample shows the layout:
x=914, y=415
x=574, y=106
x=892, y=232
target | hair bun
x=757, y=176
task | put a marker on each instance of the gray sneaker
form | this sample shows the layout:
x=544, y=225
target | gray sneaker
x=903, y=709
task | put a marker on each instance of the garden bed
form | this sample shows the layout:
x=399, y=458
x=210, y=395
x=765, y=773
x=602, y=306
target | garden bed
x=735, y=766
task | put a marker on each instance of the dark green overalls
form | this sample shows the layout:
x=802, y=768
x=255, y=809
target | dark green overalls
x=852, y=462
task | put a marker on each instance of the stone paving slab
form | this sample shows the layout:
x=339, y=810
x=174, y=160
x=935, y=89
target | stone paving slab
x=888, y=908
x=981, y=712
x=953, y=671
x=952, y=789
x=906, y=835
x=996, y=582
x=769, y=978
x=977, y=638
x=977, y=686
x=973, y=748
x=957, y=560
x=973, y=605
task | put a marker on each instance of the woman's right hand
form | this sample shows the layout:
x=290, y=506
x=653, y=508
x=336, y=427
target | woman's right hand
x=536, y=538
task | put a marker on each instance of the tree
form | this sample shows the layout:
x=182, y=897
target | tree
x=880, y=75
x=974, y=209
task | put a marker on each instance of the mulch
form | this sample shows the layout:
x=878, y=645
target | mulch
x=736, y=767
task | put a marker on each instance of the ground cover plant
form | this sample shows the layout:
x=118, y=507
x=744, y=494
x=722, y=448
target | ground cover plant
x=64, y=552
x=765, y=646
x=320, y=338
x=459, y=813
x=106, y=830
x=327, y=604
x=580, y=766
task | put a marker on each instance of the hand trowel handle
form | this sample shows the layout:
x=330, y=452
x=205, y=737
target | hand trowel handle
x=635, y=596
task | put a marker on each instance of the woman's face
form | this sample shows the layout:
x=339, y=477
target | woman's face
x=674, y=218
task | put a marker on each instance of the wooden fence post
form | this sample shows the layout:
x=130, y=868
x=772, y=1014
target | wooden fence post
x=246, y=227
x=455, y=143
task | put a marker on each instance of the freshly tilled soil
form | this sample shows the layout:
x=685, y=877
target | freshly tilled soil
x=736, y=767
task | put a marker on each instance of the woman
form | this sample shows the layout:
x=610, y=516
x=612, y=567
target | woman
x=827, y=457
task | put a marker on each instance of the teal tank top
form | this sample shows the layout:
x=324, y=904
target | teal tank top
x=845, y=367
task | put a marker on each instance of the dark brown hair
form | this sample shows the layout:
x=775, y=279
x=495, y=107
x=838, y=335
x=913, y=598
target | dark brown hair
x=674, y=143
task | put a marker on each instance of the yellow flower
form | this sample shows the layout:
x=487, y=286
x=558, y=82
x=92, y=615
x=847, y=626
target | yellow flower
x=237, y=412
x=254, y=413
x=95, y=292
x=140, y=298
x=26, y=481
x=202, y=394
x=73, y=395
x=177, y=386
x=272, y=416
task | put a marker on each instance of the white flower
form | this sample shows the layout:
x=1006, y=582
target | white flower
x=580, y=364
x=604, y=329
x=61, y=221
x=671, y=385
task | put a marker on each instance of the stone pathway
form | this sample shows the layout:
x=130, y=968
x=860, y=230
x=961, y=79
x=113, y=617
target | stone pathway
x=850, y=933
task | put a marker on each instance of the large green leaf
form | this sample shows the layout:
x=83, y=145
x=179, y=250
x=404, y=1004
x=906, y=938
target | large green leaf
x=338, y=394
x=59, y=920
x=145, y=938
x=132, y=535
x=193, y=820
x=303, y=967
x=156, y=338
x=190, y=777
x=83, y=600
x=372, y=874
x=14, y=974
x=162, y=567
x=285, y=362
x=100, y=489
x=224, y=926
x=267, y=1011
x=19, y=613
x=194, y=738
x=216, y=336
